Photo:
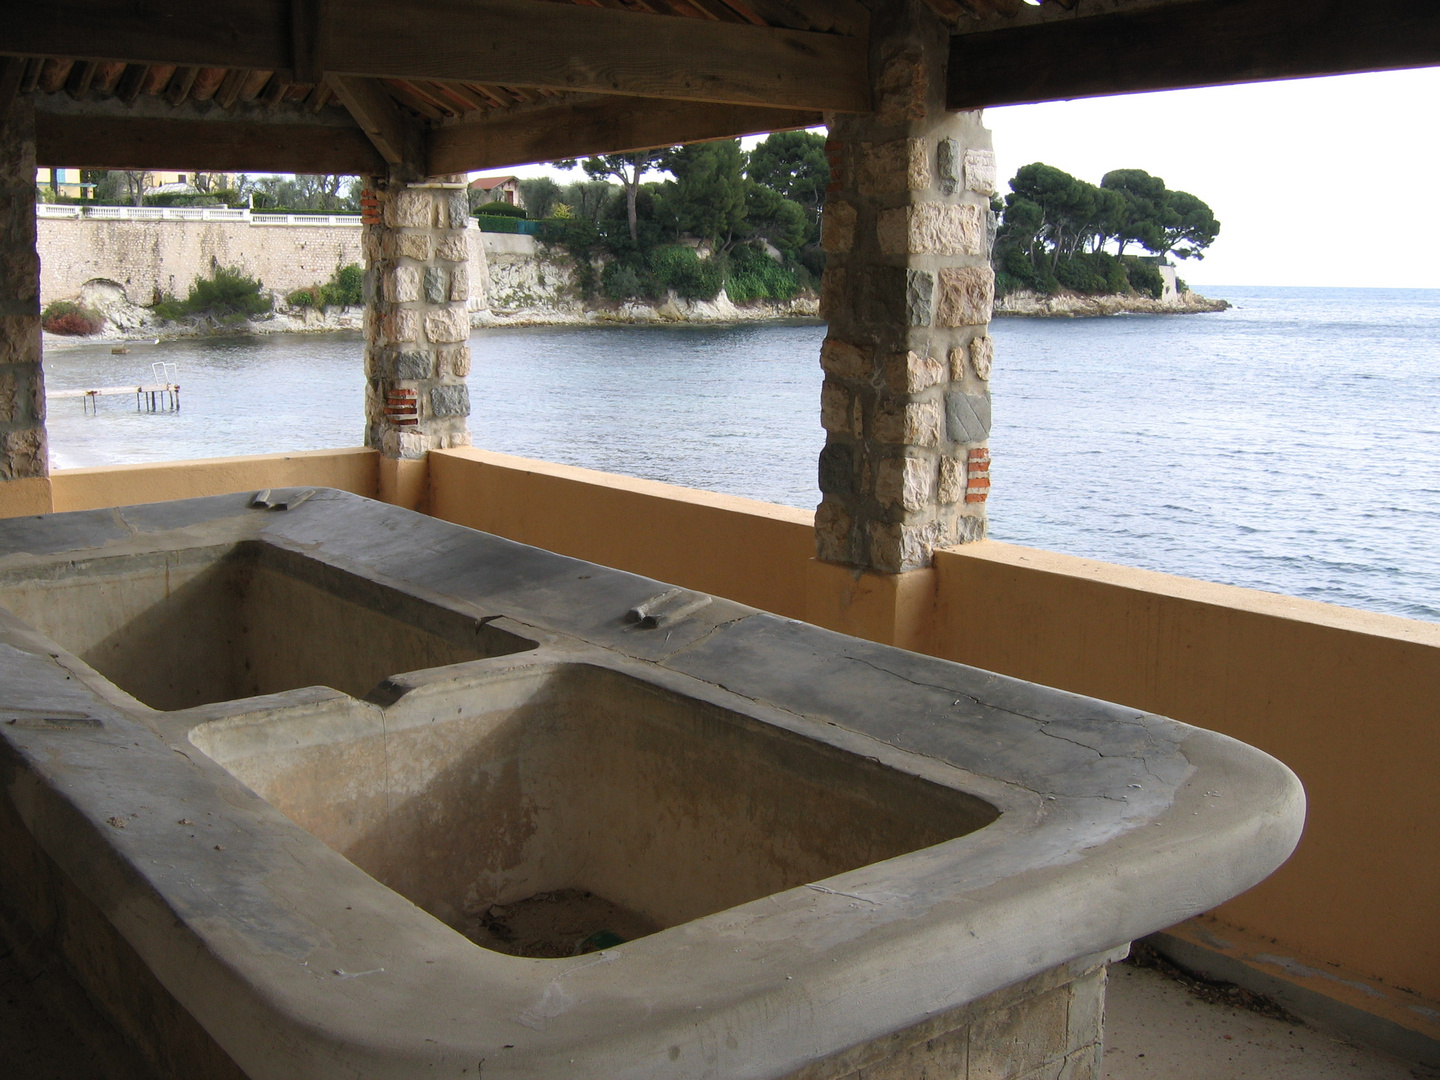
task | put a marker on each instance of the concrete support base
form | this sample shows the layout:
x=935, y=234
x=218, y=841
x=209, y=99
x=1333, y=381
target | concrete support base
x=1050, y=1026
x=405, y=482
x=897, y=609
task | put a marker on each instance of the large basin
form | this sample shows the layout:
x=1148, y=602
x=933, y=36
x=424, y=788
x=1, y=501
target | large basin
x=363, y=793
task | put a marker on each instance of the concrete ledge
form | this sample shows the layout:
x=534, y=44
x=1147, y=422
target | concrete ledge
x=1328, y=996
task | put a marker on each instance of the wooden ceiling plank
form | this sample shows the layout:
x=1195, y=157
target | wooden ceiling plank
x=396, y=138
x=180, y=84
x=503, y=42
x=31, y=79
x=229, y=89
x=502, y=139
x=157, y=77
x=229, y=145
x=411, y=98
x=131, y=83
x=318, y=97
x=254, y=82
x=275, y=90
x=1200, y=43
x=81, y=76
x=207, y=81
x=107, y=77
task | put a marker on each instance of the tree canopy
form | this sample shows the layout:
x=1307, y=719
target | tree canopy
x=1056, y=230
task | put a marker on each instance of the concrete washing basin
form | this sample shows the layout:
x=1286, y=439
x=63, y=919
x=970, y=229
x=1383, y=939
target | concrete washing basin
x=342, y=790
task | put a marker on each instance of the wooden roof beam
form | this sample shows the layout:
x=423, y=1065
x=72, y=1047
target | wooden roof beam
x=499, y=42
x=579, y=128
x=394, y=136
x=1200, y=43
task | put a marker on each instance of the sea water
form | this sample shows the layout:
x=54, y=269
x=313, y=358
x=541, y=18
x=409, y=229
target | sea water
x=1291, y=443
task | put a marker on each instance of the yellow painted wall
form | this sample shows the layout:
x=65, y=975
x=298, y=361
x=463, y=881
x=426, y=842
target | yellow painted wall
x=749, y=551
x=351, y=469
x=1348, y=699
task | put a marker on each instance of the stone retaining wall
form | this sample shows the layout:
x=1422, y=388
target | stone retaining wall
x=146, y=257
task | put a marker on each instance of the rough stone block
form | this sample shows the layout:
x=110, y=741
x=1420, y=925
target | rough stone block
x=982, y=355
x=919, y=296
x=1086, y=1023
x=456, y=360
x=23, y=453
x=915, y=423
x=952, y=480
x=967, y=416
x=457, y=209
x=372, y=243
x=837, y=227
x=409, y=208
x=11, y=401
x=402, y=284
x=1018, y=1040
x=907, y=482
x=932, y=228
x=945, y=1057
x=917, y=165
x=967, y=295
x=444, y=325
x=837, y=469
x=413, y=364
x=843, y=360
x=452, y=247
x=911, y=372
x=414, y=245
x=460, y=282
x=435, y=291
x=948, y=165
x=401, y=326
x=901, y=91
x=900, y=546
x=19, y=339
x=367, y=286
x=980, y=171
x=883, y=168
x=452, y=399
x=834, y=294
x=835, y=407
x=832, y=533
x=967, y=528
x=405, y=443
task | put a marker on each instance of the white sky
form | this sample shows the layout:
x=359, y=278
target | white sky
x=1315, y=181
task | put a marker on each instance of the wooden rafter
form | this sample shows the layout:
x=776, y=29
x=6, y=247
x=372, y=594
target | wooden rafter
x=576, y=128
x=397, y=139
x=500, y=42
x=1201, y=43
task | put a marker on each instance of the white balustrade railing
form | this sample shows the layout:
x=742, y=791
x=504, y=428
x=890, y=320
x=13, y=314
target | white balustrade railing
x=190, y=213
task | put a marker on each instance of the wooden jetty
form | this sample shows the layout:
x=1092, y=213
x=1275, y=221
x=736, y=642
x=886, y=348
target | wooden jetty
x=153, y=397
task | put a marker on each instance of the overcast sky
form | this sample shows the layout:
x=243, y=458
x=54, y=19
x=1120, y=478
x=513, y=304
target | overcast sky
x=1315, y=181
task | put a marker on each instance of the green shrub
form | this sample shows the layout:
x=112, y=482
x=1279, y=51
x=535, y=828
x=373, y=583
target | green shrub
x=621, y=281
x=1145, y=278
x=228, y=295
x=69, y=318
x=346, y=287
x=499, y=209
x=498, y=223
x=682, y=269
x=308, y=297
x=755, y=276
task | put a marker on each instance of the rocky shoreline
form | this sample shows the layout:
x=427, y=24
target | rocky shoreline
x=1067, y=305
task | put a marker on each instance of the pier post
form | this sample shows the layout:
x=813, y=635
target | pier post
x=907, y=293
x=416, y=327
x=24, y=459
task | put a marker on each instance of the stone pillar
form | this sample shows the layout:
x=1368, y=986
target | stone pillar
x=416, y=326
x=24, y=461
x=907, y=293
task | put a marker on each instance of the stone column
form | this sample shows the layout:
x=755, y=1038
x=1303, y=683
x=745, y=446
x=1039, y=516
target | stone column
x=907, y=293
x=24, y=461
x=416, y=326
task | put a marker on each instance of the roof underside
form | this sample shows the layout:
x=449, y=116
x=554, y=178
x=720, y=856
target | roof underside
x=445, y=86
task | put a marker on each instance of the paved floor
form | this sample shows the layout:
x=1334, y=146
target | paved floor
x=1156, y=1029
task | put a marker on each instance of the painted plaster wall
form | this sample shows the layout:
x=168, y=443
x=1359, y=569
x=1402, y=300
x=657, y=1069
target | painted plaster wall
x=146, y=256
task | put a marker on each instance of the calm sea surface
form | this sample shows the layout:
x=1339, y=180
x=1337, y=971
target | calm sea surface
x=1290, y=444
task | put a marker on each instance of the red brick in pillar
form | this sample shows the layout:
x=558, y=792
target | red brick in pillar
x=907, y=293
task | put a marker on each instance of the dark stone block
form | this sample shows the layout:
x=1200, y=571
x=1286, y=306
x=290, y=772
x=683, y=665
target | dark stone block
x=949, y=160
x=434, y=285
x=837, y=469
x=414, y=365
x=919, y=296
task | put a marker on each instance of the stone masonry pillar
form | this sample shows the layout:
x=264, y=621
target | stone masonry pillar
x=907, y=294
x=24, y=461
x=416, y=323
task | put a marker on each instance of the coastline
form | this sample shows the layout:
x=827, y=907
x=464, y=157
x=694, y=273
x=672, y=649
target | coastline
x=1023, y=304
